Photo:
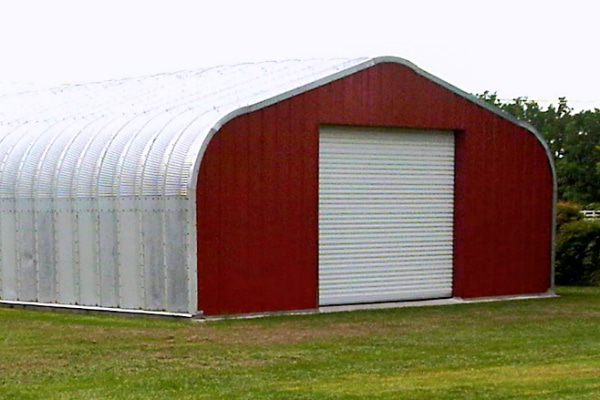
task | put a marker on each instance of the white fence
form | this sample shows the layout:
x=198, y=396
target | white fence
x=591, y=214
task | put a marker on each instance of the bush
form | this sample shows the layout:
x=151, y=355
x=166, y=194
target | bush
x=578, y=253
x=567, y=212
x=593, y=206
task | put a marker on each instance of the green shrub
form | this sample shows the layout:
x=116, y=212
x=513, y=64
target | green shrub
x=578, y=253
x=567, y=212
x=593, y=206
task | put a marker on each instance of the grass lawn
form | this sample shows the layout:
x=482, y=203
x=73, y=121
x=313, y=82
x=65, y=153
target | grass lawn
x=526, y=349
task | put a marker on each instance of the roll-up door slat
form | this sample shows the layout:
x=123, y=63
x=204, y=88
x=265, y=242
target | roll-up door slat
x=386, y=200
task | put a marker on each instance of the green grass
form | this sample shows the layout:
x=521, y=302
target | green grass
x=534, y=349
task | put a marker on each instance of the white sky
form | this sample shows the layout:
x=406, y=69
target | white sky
x=542, y=49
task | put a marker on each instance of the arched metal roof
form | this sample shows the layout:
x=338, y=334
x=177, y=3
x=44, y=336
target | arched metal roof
x=144, y=136
x=133, y=136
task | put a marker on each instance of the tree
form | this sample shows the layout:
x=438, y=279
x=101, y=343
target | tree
x=578, y=175
x=573, y=140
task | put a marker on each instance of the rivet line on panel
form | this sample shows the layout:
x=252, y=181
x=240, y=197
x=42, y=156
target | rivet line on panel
x=18, y=253
x=119, y=266
x=141, y=268
x=36, y=247
x=56, y=254
x=97, y=271
x=165, y=266
x=76, y=251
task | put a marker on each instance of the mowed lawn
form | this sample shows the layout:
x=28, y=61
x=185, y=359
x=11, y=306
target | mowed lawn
x=525, y=349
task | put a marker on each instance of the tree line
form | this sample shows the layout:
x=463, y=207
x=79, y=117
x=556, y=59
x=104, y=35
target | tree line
x=573, y=139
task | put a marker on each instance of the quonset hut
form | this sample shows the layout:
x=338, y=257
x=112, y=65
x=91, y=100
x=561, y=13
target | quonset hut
x=268, y=187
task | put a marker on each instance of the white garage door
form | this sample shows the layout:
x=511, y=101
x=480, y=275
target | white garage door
x=385, y=215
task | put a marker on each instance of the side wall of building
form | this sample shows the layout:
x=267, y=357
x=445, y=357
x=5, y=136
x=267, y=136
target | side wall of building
x=257, y=193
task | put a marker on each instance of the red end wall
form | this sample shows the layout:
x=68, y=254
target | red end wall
x=257, y=193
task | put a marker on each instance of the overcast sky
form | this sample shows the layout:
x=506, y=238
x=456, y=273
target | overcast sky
x=542, y=49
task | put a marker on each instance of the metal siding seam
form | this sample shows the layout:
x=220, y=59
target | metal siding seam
x=143, y=201
x=141, y=251
x=165, y=164
x=63, y=250
x=31, y=233
x=107, y=179
x=153, y=251
x=51, y=258
x=141, y=209
x=140, y=178
x=177, y=284
x=142, y=254
x=166, y=242
x=77, y=272
x=85, y=214
x=196, y=151
x=124, y=158
x=96, y=268
x=67, y=157
x=86, y=154
x=121, y=191
x=97, y=175
x=129, y=261
x=164, y=239
x=89, y=212
x=107, y=218
x=192, y=255
x=48, y=281
x=119, y=259
x=179, y=169
x=23, y=164
x=27, y=273
x=17, y=255
x=87, y=251
x=8, y=202
x=144, y=138
x=72, y=256
x=31, y=160
x=159, y=162
x=160, y=210
x=107, y=251
x=4, y=193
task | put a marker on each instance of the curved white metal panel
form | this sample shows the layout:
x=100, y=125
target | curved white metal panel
x=69, y=160
x=45, y=173
x=85, y=183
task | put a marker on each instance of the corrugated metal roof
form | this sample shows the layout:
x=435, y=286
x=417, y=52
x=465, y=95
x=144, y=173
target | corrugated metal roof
x=133, y=136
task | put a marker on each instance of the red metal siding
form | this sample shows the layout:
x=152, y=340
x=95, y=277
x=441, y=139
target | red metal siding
x=258, y=193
